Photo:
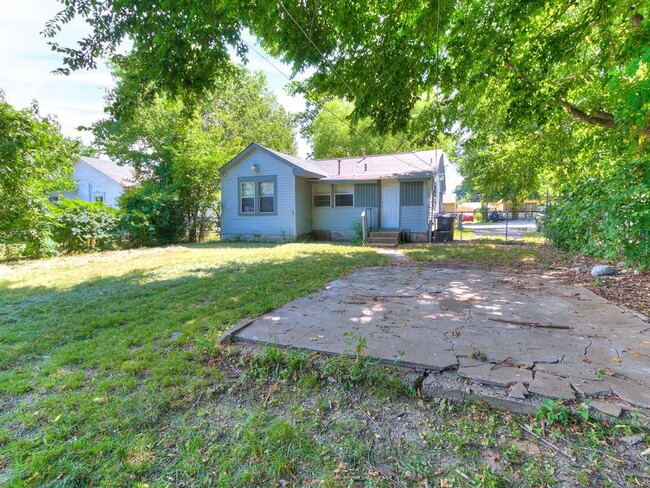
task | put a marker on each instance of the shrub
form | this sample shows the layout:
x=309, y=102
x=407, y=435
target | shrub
x=83, y=226
x=152, y=215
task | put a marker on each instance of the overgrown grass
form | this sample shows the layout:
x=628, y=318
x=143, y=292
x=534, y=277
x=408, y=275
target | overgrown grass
x=95, y=350
x=477, y=251
x=110, y=376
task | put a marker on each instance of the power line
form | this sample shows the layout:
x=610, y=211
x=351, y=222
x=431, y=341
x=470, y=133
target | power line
x=437, y=76
x=318, y=50
x=289, y=78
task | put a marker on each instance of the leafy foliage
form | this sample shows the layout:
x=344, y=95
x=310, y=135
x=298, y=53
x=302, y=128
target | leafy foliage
x=35, y=159
x=84, y=227
x=179, y=150
x=152, y=215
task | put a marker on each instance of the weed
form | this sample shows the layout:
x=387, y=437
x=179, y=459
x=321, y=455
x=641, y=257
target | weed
x=477, y=354
x=553, y=413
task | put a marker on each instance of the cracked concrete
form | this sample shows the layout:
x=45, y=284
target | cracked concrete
x=558, y=340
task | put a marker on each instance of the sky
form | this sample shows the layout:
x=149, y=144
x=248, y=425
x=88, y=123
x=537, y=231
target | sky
x=27, y=62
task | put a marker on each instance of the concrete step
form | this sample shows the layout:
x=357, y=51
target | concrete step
x=383, y=240
x=385, y=233
x=379, y=244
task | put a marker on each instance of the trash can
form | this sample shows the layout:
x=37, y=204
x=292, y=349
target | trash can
x=444, y=229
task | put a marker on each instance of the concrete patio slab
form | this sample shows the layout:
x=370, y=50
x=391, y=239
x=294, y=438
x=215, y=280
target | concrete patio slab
x=559, y=340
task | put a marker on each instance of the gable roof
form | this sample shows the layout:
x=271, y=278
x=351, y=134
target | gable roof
x=409, y=164
x=124, y=175
x=302, y=166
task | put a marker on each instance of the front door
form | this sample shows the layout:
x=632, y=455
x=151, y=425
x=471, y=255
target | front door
x=390, y=204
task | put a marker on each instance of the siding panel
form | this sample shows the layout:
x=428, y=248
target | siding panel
x=303, y=206
x=280, y=226
x=366, y=195
x=90, y=181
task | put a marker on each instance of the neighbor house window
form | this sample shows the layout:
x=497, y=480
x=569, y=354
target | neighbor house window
x=411, y=193
x=322, y=195
x=344, y=195
x=99, y=197
x=247, y=196
x=267, y=196
x=258, y=195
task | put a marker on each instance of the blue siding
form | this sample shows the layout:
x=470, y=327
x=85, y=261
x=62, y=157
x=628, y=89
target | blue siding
x=280, y=226
x=303, y=206
x=414, y=218
x=339, y=220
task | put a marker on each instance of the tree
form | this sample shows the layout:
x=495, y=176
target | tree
x=465, y=192
x=35, y=160
x=179, y=149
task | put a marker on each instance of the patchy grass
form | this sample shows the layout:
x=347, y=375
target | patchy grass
x=483, y=251
x=110, y=375
x=96, y=349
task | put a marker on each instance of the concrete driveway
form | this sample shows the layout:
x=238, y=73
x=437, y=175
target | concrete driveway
x=520, y=336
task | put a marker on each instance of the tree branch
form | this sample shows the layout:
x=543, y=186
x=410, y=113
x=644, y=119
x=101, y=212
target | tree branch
x=601, y=118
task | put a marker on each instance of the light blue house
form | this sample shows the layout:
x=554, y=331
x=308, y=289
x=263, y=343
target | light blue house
x=269, y=195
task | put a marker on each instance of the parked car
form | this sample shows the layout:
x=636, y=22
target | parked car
x=539, y=218
x=467, y=217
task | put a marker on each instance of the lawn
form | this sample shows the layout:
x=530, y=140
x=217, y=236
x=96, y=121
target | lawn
x=111, y=375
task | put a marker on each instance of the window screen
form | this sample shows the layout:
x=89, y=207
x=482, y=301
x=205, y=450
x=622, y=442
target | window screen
x=322, y=195
x=366, y=195
x=267, y=197
x=248, y=197
x=343, y=195
x=411, y=194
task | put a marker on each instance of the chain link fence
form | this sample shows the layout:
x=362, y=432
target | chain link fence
x=513, y=225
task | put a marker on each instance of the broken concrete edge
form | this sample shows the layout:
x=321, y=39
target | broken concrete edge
x=397, y=363
x=513, y=406
x=228, y=337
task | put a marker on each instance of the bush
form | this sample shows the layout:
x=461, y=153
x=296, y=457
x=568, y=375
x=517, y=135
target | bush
x=84, y=227
x=606, y=216
x=152, y=215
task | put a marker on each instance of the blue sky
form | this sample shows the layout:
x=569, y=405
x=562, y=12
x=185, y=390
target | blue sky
x=26, y=65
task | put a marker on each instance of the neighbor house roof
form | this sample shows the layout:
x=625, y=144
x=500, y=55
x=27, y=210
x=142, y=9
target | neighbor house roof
x=409, y=164
x=124, y=175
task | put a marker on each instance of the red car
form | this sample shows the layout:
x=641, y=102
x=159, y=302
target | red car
x=468, y=217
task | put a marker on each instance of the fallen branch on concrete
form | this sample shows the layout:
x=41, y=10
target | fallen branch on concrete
x=531, y=324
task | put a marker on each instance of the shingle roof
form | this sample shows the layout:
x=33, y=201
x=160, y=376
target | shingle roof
x=124, y=175
x=410, y=164
x=420, y=163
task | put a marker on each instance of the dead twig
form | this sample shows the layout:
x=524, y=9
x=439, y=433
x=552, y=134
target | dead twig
x=549, y=444
x=531, y=324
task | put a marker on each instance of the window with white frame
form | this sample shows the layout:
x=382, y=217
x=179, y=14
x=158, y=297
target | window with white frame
x=258, y=195
x=322, y=195
x=267, y=196
x=344, y=195
x=99, y=197
x=247, y=197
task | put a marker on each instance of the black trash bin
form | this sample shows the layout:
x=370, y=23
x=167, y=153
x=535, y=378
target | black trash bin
x=444, y=228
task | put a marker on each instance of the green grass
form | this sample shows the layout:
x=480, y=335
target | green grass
x=110, y=375
x=96, y=349
x=477, y=251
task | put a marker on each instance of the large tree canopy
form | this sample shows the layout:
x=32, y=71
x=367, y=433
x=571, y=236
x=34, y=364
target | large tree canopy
x=35, y=159
x=543, y=92
x=178, y=151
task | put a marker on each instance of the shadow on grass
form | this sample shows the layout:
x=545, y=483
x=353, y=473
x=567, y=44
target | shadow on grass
x=115, y=353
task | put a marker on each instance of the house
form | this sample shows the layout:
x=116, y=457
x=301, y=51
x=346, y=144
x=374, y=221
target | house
x=449, y=203
x=99, y=180
x=266, y=194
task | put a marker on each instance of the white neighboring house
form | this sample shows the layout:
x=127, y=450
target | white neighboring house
x=100, y=180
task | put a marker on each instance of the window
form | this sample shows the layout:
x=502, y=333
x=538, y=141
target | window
x=411, y=193
x=344, y=195
x=366, y=195
x=322, y=195
x=247, y=194
x=99, y=197
x=258, y=195
x=267, y=196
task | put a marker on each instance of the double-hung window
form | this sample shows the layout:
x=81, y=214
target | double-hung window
x=267, y=196
x=258, y=195
x=247, y=197
x=344, y=195
x=322, y=194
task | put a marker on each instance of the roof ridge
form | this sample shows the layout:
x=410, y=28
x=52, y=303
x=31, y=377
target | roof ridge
x=375, y=155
